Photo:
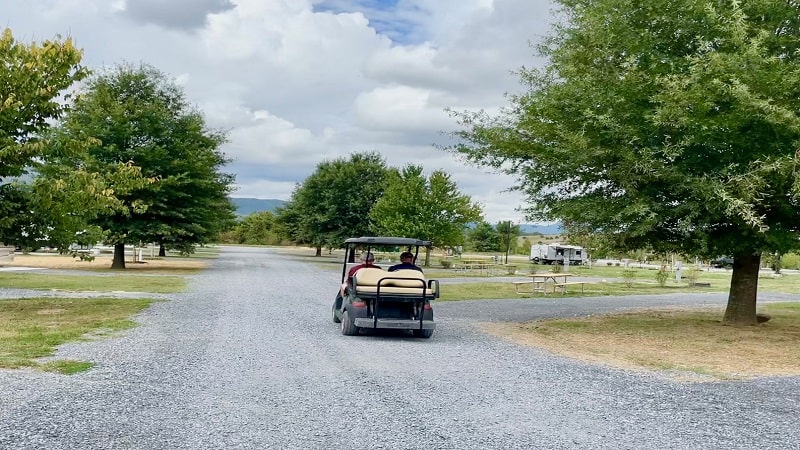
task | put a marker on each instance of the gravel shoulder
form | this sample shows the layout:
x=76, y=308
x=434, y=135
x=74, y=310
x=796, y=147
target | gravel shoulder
x=250, y=359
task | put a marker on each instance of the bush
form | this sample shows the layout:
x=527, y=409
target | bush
x=790, y=261
x=628, y=275
x=662, y=275
x=84, y=256
x=692, y=275
x=446, y=263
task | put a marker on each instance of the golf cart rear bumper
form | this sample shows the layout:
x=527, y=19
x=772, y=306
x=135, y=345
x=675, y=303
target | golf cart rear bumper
x=397, y=324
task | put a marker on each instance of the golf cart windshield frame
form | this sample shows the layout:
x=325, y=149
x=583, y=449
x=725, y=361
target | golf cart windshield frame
x=368, y=243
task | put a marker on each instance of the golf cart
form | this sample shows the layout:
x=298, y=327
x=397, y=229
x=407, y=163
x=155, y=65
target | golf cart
x=374, y=298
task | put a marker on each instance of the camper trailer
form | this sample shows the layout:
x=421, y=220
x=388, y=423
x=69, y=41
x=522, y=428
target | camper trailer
x=557, y=254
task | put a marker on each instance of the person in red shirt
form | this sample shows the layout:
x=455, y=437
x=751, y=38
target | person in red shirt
x=367, y=260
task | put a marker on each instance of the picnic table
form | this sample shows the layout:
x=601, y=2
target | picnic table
x=539, y=283
x=481, y=265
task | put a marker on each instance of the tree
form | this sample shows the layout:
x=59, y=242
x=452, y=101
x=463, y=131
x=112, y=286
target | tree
x=258, y=228
x=671, y=124
x=33, y=80
x=334, y=202
x=427, y=208
x=137, y=115
x=484, y=238
x=508, y=234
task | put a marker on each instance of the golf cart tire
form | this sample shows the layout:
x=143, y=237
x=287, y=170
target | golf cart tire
x=349, y=327
x=336, y=318
x=425, y=334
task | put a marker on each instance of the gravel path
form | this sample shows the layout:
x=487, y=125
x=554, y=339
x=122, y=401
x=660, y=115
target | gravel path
x=249, y=359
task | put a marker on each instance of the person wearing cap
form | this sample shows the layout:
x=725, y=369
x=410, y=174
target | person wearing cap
x=406, y=262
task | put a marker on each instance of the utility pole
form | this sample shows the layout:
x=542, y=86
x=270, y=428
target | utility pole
x=508, y=239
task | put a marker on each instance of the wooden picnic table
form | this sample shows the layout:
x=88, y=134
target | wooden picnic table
x=481, y=265
x=539, y=281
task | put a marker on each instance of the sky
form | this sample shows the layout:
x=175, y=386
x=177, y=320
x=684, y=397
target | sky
x=298, y=82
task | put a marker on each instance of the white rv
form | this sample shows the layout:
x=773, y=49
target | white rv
x=556, y=254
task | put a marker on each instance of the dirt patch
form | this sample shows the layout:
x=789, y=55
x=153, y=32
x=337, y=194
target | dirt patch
x=103, y=262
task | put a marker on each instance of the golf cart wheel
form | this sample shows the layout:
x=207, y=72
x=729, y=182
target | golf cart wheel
x=336, y=318
x=349, y=327
x=425, y=334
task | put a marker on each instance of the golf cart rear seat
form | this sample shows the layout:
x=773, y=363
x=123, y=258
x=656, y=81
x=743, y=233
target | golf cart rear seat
x=411, y=284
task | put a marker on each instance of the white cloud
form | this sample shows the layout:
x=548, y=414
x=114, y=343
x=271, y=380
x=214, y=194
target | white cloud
x=296, y=82
x=401, y=108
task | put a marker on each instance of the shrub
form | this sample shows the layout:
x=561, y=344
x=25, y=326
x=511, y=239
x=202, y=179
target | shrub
x=628, y=275
x=662, y=275
x=692, y=275
x=790, y=261
x=446, y=263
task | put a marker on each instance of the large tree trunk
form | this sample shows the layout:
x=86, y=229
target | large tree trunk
x=319, y=251
x=162, y=251
x=119, y=257
x=741, y=308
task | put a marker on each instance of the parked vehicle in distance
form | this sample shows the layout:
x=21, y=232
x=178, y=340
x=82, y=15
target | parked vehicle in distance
x=555, y=253
x=723, y=262
x=377, y=299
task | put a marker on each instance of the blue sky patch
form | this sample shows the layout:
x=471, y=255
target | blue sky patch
x=387, y=17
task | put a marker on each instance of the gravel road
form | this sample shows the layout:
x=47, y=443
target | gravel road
x=250, y=359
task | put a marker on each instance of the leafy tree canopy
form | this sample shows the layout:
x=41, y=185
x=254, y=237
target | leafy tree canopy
x=136, y=115
x=34, y=79
x=671, y=124
x=259, y=228
x=484, y=238
x=429, y=208
x=334, y=202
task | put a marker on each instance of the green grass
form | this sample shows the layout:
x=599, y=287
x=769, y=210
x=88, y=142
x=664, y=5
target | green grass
x=111, y=283
x=505, y=290
x=32, y=328
x=688, y=340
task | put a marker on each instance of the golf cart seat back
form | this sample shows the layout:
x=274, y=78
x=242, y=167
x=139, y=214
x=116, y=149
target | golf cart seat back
x=401, y=282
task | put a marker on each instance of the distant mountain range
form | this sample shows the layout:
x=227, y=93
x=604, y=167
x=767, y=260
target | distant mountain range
x=248, y=205
x=546, y=230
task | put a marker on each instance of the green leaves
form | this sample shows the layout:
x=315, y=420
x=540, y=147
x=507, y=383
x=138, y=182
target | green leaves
x=334, y=202
x=429, y=208
x=32, y=82
x=671, y=123
x=168, y=188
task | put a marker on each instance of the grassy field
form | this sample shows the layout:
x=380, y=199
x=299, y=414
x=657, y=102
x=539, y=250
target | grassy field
x=686, y=345
x=32, y=328
x=160, y=284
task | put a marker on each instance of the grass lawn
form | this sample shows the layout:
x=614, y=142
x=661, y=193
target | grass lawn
x=32, y=328
x=119, y=282
x=690, y=345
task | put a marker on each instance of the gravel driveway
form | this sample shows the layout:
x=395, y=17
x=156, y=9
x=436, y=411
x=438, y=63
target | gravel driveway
x=250, y=359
